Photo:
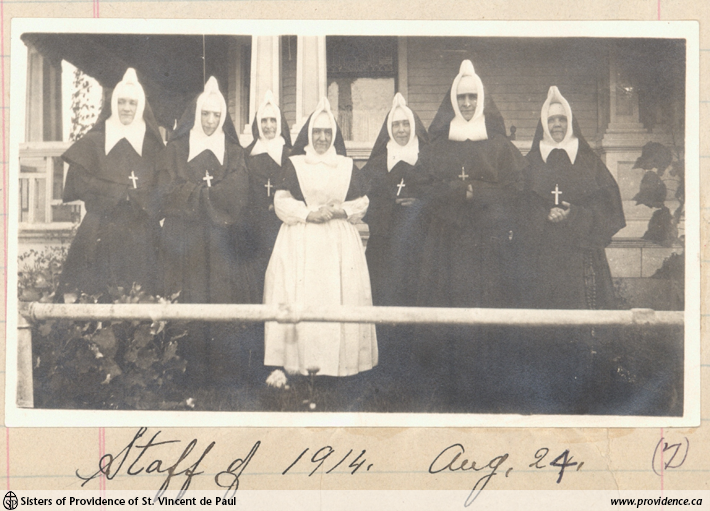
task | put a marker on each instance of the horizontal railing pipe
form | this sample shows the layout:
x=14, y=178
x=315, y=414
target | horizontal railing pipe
x=397, y=315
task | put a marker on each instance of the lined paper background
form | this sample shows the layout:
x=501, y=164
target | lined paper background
x=614, y=458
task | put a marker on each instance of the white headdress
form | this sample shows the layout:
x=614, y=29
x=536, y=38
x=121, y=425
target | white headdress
x=199, y=140
x=273, y=147
x=570, y=143
x=330, y=157
x=395, y=152
x=128, y=88
x=474, y=129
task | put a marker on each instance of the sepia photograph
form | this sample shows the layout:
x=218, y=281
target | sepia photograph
x=379, y=224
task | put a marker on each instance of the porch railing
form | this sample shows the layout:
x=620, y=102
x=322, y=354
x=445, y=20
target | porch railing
x=528, y=318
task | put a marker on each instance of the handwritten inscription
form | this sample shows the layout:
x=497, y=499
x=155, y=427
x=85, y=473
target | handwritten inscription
x=182, y=462
x=669, y=455
x=452, y=455
x=320, y=457
x=452, y=459
x=110, y=465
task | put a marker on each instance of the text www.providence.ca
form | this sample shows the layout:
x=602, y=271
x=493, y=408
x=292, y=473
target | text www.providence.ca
x=665, y=501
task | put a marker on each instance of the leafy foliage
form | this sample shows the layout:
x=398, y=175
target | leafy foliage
x=39, y=273
x=94, y=364
x=83, y=112
x=109, y=365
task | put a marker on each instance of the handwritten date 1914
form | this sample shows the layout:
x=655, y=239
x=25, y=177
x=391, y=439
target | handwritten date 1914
x=322, y=454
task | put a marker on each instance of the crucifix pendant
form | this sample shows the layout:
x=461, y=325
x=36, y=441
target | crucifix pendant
x=268, y=187
x=208, y=178
x=556, y=192
x=133, y=178
x=400, y=186
x=463, y=174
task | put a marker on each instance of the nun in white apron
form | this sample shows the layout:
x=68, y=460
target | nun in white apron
x=318, y=258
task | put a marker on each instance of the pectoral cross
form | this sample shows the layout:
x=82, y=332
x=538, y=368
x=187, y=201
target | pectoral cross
x=268, y=187
x=208, y=178
x=400, y=186
x=556, y=192
x=133, y=178
x=463, y=175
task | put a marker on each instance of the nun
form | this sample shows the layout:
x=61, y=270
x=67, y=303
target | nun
x=318, y=258
x=205, y=193
x=470, y=246
x=477, y=175
x=575, y=209
x=396, y=224
x=113, y=169
x=265, y=159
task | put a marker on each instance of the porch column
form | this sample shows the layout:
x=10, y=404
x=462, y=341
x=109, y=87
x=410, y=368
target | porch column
x=311, y=76
x=265, y=71
x=43, y=121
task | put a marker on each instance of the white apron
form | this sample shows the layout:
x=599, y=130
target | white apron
x=319, y=264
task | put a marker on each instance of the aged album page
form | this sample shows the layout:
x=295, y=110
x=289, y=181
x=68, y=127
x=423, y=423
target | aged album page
x=576, y=380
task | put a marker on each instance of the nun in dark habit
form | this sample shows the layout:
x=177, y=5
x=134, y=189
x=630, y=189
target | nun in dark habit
x=477, y=173
x=394, y=217
x=114, y=170
x=470, y=247
x=206, y=193
x=575, y=210
x=265, y=159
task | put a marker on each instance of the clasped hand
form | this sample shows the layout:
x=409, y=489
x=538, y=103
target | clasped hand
x=330, y=211
x=558, y=214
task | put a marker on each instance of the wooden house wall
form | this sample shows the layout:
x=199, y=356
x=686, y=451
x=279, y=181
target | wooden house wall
x=516, y=73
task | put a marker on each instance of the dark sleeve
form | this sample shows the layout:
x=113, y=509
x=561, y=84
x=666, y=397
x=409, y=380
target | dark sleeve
x=227, y=201
x=510, y=164
x=178, y=195
x=147, y=195
x=82, y=183
x=359, y=185
x=600, y=215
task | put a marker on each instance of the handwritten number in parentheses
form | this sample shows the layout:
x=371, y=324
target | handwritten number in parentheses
x=669, y=456
x=565, y=463
x=540, y=455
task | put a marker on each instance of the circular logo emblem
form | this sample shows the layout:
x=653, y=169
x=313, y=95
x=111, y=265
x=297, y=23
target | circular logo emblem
x=10, y=501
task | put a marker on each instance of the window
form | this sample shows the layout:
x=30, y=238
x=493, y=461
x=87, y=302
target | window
x=361, y=83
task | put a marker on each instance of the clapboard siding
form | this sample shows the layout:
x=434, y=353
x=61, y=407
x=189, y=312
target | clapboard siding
x=516, y=73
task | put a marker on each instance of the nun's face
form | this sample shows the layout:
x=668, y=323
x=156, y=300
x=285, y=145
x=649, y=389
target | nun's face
x=322, y=133
x=210, y=115
x=401, y=129
x=557, y=122
x=127, y=107
x=467, y=104
x=268, y=127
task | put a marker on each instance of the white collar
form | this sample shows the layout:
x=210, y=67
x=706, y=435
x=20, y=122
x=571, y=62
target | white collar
x=114, y=129
x=199, y=141
x=474, y=129
x=569, y=144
